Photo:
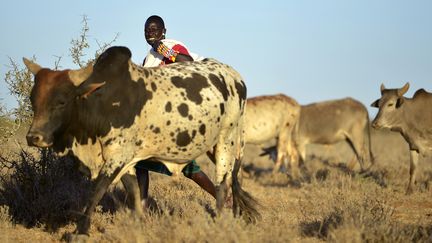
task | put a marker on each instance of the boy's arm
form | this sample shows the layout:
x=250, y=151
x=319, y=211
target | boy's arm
x=176, y=54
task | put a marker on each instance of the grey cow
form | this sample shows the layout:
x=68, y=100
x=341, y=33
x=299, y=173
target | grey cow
x=333, y=121
x=412, y=118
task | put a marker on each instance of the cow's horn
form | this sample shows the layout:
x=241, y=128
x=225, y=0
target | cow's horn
x=78, y=76
x=33, y=67
x=382, y=88
x=403, y=90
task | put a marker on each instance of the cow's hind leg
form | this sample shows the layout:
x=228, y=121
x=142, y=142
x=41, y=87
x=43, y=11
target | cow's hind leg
x=294, y=160
x=223, y=157
x=357, y=145
x=281, y=153
x=300, y=153
x=227, y=177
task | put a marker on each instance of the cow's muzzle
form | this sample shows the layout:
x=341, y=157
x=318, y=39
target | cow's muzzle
x=37, y=139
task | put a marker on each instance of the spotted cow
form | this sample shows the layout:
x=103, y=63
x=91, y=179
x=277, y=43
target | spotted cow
x=273, y=117
x=115, y=113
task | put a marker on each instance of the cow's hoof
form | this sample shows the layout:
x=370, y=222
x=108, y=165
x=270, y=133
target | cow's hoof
x=276, y=172
x=295, y=183
x=246, y=174
x=78, y=238
x=409, y=191
x=229, y=202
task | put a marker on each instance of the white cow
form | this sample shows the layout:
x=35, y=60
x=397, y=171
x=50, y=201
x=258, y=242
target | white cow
x=273, y=117
x=116, y=113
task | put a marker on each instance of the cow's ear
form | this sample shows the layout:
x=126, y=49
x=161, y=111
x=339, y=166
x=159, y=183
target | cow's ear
x=376, y=103
x=85, y=90
x=399, y=102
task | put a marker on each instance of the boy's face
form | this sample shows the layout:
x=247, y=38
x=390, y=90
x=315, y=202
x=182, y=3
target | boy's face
x=153, y=32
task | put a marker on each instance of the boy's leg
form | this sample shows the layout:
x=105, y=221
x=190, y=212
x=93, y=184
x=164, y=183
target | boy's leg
x=204, y=182
x=191, y=171
x=194, y=172
x=142, y=172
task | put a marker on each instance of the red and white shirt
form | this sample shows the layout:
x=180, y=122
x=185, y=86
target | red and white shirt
x=154, y=59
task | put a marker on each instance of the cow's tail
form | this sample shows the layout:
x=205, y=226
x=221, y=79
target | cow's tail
x=243, y=203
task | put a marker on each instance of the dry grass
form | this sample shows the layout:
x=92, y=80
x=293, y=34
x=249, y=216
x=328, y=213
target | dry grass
x=329, y=204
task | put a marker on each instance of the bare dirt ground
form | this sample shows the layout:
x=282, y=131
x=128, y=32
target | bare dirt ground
x=329, y=204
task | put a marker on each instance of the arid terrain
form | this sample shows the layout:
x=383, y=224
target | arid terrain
x=329, y=204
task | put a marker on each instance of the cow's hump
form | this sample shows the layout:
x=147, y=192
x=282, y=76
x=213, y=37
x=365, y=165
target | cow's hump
x=113, y=56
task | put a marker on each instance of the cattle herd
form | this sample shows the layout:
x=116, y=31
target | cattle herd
x=114, y=113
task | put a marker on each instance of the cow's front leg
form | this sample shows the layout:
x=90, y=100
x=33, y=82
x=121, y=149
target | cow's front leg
x=100, y=186
x=143, y=183
x=414, y=154
x=130, y=183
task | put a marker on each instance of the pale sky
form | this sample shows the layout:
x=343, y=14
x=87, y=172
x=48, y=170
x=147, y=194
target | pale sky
x=311, y=50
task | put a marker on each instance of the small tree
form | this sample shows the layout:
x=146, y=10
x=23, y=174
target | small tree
x=20, y=80
x=7, y=125
x=81, y=43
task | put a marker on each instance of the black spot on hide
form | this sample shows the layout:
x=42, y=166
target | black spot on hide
x=192, y=85
x=146, y=73
x=108, y=142
x=168, y=107
x=222, y=108
x=153, y=86
x=241, y=91
x=202, y=129
x=183, y=139
x=220, y=85
x=183, y=109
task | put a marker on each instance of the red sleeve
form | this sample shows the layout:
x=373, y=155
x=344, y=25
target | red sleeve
x=181, y=49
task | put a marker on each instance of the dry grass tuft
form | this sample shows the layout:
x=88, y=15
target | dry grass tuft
x=42, y=189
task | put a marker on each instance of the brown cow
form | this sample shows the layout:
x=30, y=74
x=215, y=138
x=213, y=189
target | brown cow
x=412, y=118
